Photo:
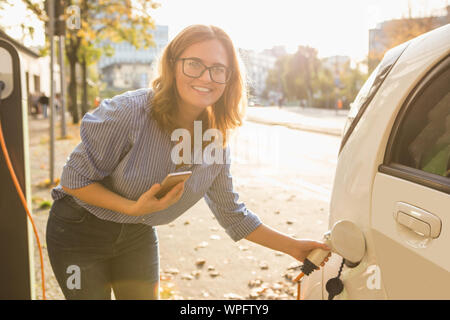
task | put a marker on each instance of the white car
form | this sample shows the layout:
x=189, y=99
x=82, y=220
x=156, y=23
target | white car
x=393, y=178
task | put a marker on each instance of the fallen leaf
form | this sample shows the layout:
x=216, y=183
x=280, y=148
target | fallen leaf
x=277, y=286
x=255, y=283
x=253, y=295
x=205, y=294
x=279, y=254
x=270, y=295
x=173, y=271
x=294, y=266
x=187, y=277
x=200, y=262
x=233, y=296
x=202, y=244
x=165, y=277
x=289, y=276
x=214, y=274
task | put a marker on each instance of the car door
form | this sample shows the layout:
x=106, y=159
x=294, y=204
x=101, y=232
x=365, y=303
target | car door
x=410, y=216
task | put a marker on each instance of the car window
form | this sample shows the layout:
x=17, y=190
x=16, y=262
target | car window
x=423, y=138
x=369, y=89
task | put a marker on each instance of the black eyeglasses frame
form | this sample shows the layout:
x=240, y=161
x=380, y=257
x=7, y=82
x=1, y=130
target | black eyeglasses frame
x=228, y=70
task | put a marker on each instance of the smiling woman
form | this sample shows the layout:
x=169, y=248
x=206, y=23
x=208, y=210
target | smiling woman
x=106, y=208
x=218, y=96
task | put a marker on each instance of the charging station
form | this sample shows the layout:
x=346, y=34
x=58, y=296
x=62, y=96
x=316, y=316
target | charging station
x=17, y=280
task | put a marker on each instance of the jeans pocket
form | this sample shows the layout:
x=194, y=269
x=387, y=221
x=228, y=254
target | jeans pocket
x=67, y=210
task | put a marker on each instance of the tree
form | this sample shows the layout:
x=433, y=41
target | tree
x=395, y=32
x=324, y=88
x=352, y=80
x=274, y=83
x=113, y=20
x=302, y=76
x=301, y=68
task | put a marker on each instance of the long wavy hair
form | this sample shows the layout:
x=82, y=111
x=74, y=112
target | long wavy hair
x=228, y=112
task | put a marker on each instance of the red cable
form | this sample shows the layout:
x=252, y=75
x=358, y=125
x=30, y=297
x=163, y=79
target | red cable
x=24, y=203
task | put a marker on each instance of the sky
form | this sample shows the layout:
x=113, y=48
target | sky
x=333, y=27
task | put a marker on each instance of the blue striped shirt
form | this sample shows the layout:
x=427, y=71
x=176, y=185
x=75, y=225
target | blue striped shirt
x=124, y=149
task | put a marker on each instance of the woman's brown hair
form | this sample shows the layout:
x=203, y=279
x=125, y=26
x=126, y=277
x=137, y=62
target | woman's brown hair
x=227, y=113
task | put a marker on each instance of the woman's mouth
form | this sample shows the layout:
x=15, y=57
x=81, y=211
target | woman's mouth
x=201, y=90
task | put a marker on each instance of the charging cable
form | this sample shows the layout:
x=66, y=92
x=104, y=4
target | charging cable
x=312, y=262
x=20, y=193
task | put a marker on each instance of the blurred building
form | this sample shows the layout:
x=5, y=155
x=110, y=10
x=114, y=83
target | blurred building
x=35, y=68
x=257, y=65
x=337, y=65
x=393, y=32
x=130, y=68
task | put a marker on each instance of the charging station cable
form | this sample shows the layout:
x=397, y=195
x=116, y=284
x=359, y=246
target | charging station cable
x=313, y=261
x=21, y=195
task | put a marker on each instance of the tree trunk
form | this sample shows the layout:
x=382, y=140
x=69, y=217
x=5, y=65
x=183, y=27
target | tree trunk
x=73, y=105
x=71, y=52
x=84, y=103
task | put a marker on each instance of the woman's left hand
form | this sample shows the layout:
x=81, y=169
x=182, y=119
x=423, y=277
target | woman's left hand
x=302, y=248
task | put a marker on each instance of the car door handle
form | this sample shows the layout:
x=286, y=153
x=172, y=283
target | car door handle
x=418, y=220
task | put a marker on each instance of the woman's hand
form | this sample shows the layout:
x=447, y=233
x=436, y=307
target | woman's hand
x=148, y=203
x=302, y=248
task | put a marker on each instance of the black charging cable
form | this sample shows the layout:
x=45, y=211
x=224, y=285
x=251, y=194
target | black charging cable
x=2, y=87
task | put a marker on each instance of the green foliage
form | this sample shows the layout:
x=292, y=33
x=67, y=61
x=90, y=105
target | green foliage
x=112, y=20
x=302, y=77
x=45, y=204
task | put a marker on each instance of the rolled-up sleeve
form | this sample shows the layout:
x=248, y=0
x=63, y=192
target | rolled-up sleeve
x=234, y=217
x=105, y=138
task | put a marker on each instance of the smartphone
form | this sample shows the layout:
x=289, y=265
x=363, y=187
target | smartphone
x=171, y=180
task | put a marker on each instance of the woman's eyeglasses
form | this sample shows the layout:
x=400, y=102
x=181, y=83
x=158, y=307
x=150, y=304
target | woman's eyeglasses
x=194, y=68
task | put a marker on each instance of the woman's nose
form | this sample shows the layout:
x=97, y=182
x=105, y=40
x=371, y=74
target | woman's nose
x=205, y=76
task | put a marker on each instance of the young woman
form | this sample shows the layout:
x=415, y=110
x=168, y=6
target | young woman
x=101, y=231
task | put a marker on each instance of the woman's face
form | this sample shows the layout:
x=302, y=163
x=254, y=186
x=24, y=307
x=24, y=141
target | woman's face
x=199, y=93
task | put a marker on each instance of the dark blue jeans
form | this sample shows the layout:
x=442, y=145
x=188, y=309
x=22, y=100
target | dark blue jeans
x=91, y=256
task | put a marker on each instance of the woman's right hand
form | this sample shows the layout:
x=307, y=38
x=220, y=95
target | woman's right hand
x=148, y=203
